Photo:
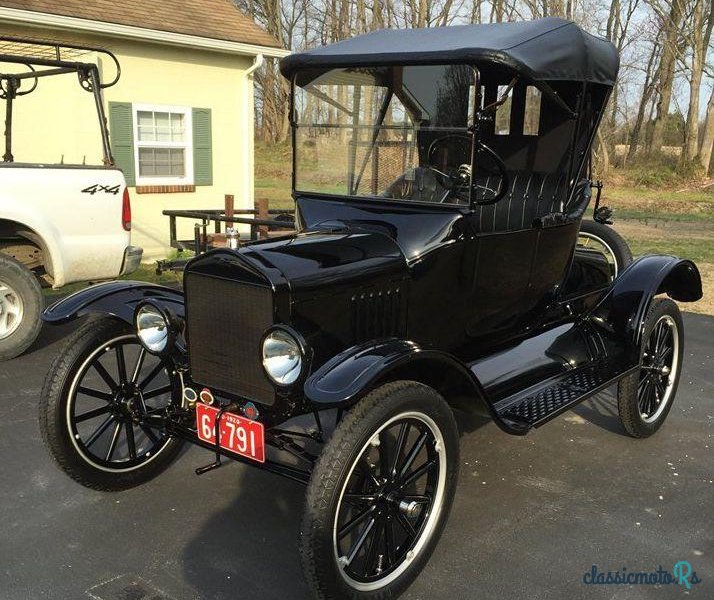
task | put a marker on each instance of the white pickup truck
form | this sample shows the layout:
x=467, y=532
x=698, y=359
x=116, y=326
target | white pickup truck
x=59, y=224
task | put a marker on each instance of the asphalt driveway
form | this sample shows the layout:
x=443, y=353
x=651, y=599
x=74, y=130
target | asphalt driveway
x=531, y=517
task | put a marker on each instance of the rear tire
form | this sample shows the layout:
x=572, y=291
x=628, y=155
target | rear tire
x=91, y=409
x=605, y=239
x=370, y=468
x=645, y=398
x=20, y=308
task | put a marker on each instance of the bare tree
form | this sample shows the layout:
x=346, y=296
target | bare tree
x=698, y=36
x=648, y=88
x=671, y=15
x=705, y=152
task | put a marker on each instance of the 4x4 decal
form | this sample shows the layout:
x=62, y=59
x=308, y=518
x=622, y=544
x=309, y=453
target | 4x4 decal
x=93, y=189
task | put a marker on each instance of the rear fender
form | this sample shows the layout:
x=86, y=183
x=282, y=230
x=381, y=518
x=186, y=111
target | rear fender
x=115, y=298
x=623, y=309
x=352, y=374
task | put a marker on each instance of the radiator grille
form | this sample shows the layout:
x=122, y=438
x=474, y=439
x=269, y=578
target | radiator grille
x=376, y=314
x=226, y=321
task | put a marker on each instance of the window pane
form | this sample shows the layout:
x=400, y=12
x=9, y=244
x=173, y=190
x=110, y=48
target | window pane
x=503, y=113
x=162, y=162
x=146, y=162
x=163, y=130
x=177, y=162
x=160, y=126
x=146, y=134
x=145, y=118
x=162, y=119
x=531, y=120
x=145, y=122
x=163, y=134
x=358, y=131
x=177, y=127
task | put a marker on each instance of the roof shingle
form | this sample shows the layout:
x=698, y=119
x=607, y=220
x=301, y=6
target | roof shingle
x=216, y=19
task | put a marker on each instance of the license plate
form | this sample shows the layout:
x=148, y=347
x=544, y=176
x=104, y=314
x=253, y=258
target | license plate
x=238, y=434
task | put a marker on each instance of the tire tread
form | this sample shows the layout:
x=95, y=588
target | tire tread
x=19, y=276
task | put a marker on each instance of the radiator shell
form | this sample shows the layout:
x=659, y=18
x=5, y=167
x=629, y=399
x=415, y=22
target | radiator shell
x=226, y=321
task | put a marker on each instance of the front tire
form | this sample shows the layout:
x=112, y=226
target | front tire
x=99, y=407
x=645, y=398
x=20, y=308
x=380, y=494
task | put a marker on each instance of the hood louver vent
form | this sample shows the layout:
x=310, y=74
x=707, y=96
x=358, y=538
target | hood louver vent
x=377, y=313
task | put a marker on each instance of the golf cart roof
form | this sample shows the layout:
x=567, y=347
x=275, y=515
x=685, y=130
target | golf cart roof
x=548, y=49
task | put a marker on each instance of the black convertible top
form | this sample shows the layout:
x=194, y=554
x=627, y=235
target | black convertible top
x=543, y=50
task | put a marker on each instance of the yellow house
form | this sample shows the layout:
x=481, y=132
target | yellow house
x=180, y=116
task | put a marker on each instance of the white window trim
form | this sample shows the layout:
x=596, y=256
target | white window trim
x=188, y=178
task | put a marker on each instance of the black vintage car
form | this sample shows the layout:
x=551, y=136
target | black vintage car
x=440, y=179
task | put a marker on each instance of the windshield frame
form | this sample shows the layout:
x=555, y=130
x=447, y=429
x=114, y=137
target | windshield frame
x=470, y=128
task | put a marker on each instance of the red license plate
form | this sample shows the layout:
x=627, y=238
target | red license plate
x=238, y=434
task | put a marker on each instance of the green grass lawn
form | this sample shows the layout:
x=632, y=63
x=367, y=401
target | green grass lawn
x=145, y=272
x=698, y=250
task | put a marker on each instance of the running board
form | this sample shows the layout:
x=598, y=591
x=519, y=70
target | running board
x=538, y=405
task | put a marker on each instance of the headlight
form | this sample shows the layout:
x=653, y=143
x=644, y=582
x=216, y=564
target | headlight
x=282, y=357
x=152, y=327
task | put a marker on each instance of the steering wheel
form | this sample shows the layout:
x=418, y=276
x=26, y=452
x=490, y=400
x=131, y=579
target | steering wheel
x=463, y=177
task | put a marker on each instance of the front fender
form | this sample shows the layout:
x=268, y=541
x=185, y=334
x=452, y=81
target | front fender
x=623, y=309
x=351, y=374
x=116, y=298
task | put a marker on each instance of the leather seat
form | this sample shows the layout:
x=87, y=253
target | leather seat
x=531, y=196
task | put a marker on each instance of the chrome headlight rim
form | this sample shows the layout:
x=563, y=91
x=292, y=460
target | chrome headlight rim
x=302, y=349
x=166, y=316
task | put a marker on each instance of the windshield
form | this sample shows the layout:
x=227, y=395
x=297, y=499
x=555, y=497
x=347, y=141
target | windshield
x=392, y=132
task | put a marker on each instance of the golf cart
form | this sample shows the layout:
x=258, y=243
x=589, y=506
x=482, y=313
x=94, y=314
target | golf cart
x=440, y=182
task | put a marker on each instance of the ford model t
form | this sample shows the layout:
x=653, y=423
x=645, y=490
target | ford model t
x=440, y=179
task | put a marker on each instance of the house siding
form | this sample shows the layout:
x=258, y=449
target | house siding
x=58, y=123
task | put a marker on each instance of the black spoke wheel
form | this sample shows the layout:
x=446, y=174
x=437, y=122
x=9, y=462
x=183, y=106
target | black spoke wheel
x=101, y=407
x=645, y=397
x=107, y=411
x=388, y=500
x=659, y=363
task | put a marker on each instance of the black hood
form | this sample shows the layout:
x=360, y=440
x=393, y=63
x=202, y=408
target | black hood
x=308, y=262
x=341, y=246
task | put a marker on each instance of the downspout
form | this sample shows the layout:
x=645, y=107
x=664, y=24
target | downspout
x=257, y=63
x=247, y=197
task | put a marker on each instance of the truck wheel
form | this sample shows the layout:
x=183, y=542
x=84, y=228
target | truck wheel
x=606, y=240
x=645, y=398
x=101, y=405
x=20, y=308
x=380, y=494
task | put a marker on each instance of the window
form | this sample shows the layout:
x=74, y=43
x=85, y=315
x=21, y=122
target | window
x=472, y=99
x=359, y=132
x=164, y=147
x=531, y=120
x=503, y=112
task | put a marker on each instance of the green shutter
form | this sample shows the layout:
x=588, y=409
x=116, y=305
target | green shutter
x=121, y=135
x=202, y=147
